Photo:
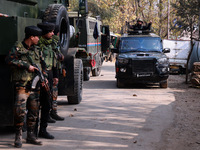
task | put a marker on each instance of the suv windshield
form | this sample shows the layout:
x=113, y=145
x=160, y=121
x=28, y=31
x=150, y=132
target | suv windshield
x=143, y=44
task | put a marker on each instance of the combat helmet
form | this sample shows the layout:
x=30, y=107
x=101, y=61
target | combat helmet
x=139, y=20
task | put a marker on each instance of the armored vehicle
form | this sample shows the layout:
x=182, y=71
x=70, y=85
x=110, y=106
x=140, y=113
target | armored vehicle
x=14, y=16
x=141, y=59
x=90, y=40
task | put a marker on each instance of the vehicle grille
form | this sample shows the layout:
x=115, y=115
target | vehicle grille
x=139, y=66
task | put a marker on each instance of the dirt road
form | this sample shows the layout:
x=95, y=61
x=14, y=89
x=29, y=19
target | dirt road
x=134, y=118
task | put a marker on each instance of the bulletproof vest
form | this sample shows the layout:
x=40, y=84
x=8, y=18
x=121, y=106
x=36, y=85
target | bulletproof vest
x=29, y=56
x=49, y=55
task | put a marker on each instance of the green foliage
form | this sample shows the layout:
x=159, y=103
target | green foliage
x=186, y=10
x=115, y=13
x=187, y=13
x=73, y=5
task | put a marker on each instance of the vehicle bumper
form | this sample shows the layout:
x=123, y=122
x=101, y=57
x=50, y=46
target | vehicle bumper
x=142, y=78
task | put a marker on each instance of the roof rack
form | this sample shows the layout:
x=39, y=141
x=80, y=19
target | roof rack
x=139, y=32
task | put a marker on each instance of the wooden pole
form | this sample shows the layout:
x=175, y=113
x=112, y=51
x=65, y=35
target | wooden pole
x=168, y=20
x=199, y=19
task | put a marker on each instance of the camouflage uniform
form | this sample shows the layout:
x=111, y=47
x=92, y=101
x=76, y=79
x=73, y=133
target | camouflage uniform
x=50, y=48
x=49, y=57
x=20, y=58
x=47, y=45
x=58, y=56
x=23, y=80
x=46, y=101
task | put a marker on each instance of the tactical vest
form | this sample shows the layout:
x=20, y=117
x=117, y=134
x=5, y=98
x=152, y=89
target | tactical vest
x=29, y=57
x=49, y=55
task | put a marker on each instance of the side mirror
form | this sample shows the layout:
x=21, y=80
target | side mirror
x=114, y=50
x=166, y=50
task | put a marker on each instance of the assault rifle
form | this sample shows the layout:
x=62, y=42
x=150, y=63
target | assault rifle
x=40, y=77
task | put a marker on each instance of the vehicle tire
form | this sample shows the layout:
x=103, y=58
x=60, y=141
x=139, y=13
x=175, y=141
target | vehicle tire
x=120, y=84
x=57, y=14
x=164, y=84
x=78, y=82
x=97, y=71
x=86, y=74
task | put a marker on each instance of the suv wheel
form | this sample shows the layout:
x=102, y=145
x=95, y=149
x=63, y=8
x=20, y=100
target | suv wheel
x=120, y=84
x=164, y=84
x=86, y=74
x=96, y=71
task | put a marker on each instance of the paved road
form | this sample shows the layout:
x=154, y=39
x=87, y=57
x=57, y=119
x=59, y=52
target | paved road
x=108, y=118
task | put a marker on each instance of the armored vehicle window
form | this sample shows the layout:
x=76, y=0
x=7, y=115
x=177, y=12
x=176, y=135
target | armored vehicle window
x=142, y=44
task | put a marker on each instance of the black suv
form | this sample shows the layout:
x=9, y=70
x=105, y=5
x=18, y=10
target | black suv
x=141, y=59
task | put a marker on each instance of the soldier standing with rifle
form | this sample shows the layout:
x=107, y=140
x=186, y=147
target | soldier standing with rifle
x=45, y=44
x=59, y=58
x=21, y=57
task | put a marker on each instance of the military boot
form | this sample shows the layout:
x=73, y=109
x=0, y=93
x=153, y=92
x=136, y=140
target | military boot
x=18, y=138
x=51, y=120
x=44, y=134
x=31, y=138
x=55, y=115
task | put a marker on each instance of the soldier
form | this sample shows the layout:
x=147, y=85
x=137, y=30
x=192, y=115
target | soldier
x=21, y=58
x=45, y=44
x=59, y=57
x=139, y=25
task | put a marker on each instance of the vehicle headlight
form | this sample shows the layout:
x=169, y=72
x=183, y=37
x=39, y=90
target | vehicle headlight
x=122, y=69
x=165, y=69
x=163, y=61
x=123, y=61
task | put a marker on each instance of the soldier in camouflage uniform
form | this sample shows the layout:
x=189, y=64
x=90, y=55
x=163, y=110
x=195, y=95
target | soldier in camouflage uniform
x=59, y=57
x=21, y=58
x=50, y=59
